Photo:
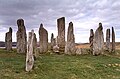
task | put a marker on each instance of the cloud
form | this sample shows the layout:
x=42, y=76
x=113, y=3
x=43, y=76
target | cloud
x=85, y=15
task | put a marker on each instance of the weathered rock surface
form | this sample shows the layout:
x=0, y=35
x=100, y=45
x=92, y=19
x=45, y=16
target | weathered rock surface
x=21, y=37
x=29, y=55
x=113, y=40
x=53, y=41
x=8, y=40
x=56, y=49
x=98, y=41
x=78, y=51
x=70, y=45
x=35, y=51
x=43, y=36
x=61, y=33
x=108, y=48
x=82, y=51
x=91, y=40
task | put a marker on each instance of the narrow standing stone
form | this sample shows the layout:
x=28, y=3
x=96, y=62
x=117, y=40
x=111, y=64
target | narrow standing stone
x=43, y=36
x=61, y=33
x=35, y=51
x=21, y=37
x=29, y=55
x=108, y=48
x=8, y=40
x=98, y=41
x=53, y=41
x=91, y=40
x=113, y=40
x=70, y=45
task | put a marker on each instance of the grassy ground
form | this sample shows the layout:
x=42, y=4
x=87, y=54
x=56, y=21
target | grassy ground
x=12, y=66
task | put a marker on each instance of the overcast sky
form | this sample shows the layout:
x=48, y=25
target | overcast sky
x=85, y=15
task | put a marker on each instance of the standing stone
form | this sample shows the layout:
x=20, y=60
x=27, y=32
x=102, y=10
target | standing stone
x=98, y=41
x=21, y=37
x=108, y=48
x=113, y=40
x=61, y=33
x=8, y=40
x=35, y=52
x=91, y=40
x=29, y=55
x=43, y=36
x=53, y=41
x=70, y=45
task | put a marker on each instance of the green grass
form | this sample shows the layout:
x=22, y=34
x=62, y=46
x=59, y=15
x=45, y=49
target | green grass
x=12, y=66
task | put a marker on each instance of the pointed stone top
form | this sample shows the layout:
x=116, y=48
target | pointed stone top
x=112, y=27
x=91, y=32
x=100, y=26
x=20, y=22
x=10, y=29
x=71, y=24
x=52, y=35
x=41, y=25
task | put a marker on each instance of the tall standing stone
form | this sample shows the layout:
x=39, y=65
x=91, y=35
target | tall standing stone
x=70, y=45
x=53, y=41
x=8, y=40
x=98, y=41
x=113, y=40
x=30, y=50
x=43, y=36
x=21, y=37
x=108, y=48
x=91, y=39
x=61, y=33
x=35, y=51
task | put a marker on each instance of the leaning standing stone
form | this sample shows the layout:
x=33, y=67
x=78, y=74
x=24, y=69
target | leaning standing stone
x=113, y=40
x=61, y=33
x=8, y=40
x=70, y=45
x=43, y=36
x=98, y=41
x=21, y=37
x=29, y=55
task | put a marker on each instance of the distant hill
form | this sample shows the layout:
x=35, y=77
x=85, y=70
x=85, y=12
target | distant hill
x=2, y=44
